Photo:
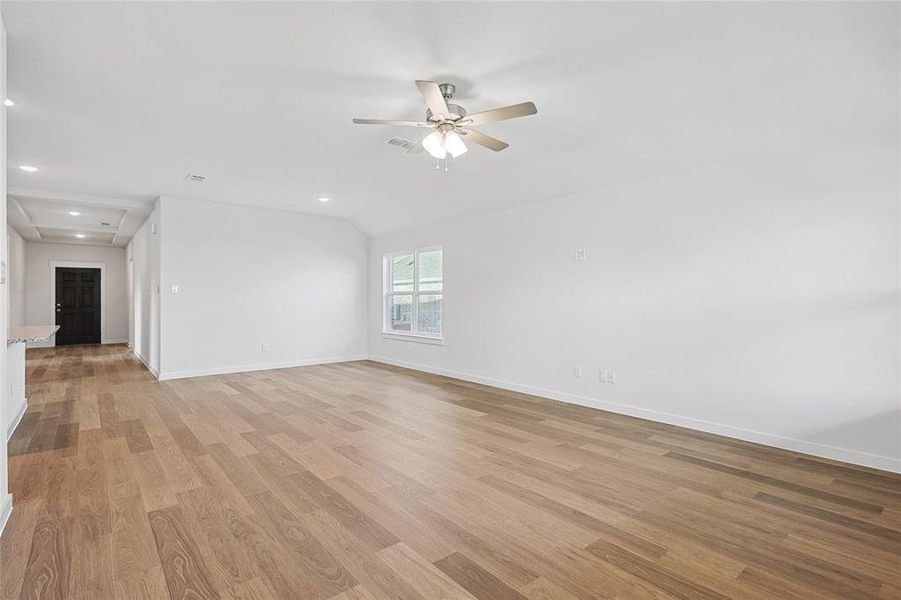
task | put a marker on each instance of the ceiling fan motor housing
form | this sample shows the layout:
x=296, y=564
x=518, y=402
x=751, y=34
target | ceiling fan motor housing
x=456, y=111
x=447, y=90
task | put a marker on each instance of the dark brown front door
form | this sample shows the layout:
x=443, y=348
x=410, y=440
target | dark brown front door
x=77, y=306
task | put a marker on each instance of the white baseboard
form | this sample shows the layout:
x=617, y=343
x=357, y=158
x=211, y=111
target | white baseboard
x=6, y=509
x=20, y=412
x=114, y=341
x=166, y=375
x=875, y=461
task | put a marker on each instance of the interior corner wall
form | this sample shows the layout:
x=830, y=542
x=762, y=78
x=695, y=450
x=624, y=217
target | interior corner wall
x=730, y=303
x=130, y=293
x=6, y=500
x=15, y=270
x=258, y=288
x=143, y=270
x=38, y=278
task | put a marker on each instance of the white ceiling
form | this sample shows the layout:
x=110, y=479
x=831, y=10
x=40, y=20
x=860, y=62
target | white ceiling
x=40, y=216
x=124, y=99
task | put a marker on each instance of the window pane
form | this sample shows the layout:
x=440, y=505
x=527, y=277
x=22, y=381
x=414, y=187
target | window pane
x=402, y=273
x=430, y=271
x=400, y=313
x=431, y=314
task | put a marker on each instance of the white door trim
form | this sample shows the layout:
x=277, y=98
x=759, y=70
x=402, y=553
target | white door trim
x=79, y=265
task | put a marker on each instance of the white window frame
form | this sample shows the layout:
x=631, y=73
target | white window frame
x=387, y=293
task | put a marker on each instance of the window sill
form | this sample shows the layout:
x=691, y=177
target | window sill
x=407, y=337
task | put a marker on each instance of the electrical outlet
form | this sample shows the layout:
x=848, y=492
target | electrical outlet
x=174, y=289
x=265, y=348
x=611, y=376
x=577, y=372
x=581, y=254
x=602, y=375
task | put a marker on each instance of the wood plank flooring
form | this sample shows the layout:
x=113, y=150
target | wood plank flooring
x=359, y=481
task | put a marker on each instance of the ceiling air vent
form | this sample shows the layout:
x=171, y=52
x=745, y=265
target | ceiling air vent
x=402, y=143
x=195, y=178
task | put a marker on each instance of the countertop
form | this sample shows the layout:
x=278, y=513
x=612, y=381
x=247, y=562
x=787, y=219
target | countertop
x=31, y=333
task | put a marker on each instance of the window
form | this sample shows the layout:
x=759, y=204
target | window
x=414, y=293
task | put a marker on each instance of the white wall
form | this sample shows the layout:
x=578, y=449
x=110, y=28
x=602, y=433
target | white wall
x=757, y=298
x=249, y=277
x=143, y=255
x=5, y=498
x=778, y=326
x=15, y=270
x=38, y=285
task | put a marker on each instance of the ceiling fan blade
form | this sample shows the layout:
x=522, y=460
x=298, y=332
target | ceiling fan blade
x=434, y=99
x=484, y=140
x=513, y=111
x=390, y=122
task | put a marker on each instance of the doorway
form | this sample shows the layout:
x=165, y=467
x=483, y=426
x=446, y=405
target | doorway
x=78, y=306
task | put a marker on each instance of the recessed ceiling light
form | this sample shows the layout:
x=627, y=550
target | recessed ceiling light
x=74, y=213
x=324, y=199
x=9, y=102
x=28, y=168
x=79, y=235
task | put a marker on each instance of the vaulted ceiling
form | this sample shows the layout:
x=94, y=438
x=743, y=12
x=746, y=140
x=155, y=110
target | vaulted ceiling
x=123, y=100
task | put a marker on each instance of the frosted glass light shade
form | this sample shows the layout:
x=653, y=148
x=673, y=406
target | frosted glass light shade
x=434, y=145
x=454, y=144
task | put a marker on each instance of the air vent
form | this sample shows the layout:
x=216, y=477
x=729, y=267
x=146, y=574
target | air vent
x=401, y=142
x=195, y=178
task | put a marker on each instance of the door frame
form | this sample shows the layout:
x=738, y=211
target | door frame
x=78, y=265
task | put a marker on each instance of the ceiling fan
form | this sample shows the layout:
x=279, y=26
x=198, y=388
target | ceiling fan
x=450, y=123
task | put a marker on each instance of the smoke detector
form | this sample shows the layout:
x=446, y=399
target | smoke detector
x=195, y=178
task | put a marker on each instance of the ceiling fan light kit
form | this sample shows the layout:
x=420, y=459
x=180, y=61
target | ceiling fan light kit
x=450, y=122
x=444, y=141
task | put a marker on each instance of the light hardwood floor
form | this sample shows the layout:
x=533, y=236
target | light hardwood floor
x=359, y=481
